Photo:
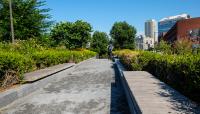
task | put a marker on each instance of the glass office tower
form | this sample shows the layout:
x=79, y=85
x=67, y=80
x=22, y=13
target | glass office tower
x=165, y=24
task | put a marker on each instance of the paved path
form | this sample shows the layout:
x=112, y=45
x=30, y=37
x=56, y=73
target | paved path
x=86, y=90
x=156, y=97
x=39, y=74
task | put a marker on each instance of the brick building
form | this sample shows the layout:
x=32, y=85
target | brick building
x=188, y=28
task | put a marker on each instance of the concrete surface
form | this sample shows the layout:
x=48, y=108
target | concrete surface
x=20, y=91
x=133, y=106
x=119, y=104
x=156, y=97
x=40, y=74
x=86, y=90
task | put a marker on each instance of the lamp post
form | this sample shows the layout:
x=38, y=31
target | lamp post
x=11, y=21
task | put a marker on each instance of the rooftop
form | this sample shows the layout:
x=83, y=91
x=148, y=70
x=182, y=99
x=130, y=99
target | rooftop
x=186, y=16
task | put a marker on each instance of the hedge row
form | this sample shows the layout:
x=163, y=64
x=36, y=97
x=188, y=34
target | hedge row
x=16, y=64
x=52, y=57
x=180, y=71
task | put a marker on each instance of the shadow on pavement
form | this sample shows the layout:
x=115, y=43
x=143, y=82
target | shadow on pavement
x=119, y=104
x=180, y=103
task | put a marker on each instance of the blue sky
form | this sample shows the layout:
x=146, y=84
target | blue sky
x=101, y=14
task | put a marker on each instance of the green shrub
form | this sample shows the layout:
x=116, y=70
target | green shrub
x=22, y=46
x=127, y=57
x=52, y=57
x=163, y=47
x=78, y=56
x=183, y=46
x=180, y=71
x=15, y=63
x=25, y=56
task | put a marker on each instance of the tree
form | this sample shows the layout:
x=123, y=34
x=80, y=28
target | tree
x=72, y=35
x=30, y=20
x=123, y=35
x=100, y=42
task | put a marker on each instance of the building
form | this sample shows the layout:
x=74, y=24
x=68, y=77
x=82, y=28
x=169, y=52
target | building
x=139, y=42
x=188, y=28
x=151, y=29
x=165, y=24
x=144, y=43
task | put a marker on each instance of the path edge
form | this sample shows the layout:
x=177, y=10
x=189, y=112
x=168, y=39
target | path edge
x=133, y=105
x=9, y=96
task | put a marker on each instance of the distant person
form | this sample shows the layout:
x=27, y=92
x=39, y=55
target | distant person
x=110, y=48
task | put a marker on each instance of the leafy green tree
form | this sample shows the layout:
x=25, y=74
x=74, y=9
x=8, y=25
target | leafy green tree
x=72, y=35
x=82, y=32
x=123, y=35
x=30, y=20
x=100, y=42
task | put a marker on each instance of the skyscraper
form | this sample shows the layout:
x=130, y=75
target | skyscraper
x=151, y=29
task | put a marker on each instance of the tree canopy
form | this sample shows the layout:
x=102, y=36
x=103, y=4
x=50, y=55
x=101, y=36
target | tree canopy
x=123, y=35
x=100, y=42
x=72, y=35
x=30, y=20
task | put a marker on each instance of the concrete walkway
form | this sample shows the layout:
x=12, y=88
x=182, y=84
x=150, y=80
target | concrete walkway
x=40, y=74
x=155, y=97
x=86, y=90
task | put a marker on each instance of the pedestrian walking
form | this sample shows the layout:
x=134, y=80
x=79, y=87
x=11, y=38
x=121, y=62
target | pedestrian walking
x=110, y=48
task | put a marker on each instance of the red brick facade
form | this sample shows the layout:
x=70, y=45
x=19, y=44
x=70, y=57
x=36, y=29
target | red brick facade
x=182, y=29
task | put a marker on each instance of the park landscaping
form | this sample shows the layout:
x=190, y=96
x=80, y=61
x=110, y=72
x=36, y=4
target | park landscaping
x=26, y=56
x=182, y=72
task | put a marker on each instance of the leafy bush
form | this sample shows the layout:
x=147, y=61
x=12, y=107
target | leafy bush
x=183, y=46
x=52, y=57
x=22, y=46
x=180, y=71
x=163, y=47
x=25, y=56
x=126, y=56
x=16, y=63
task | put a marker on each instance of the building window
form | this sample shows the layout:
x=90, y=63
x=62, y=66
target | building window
x=194, y=34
